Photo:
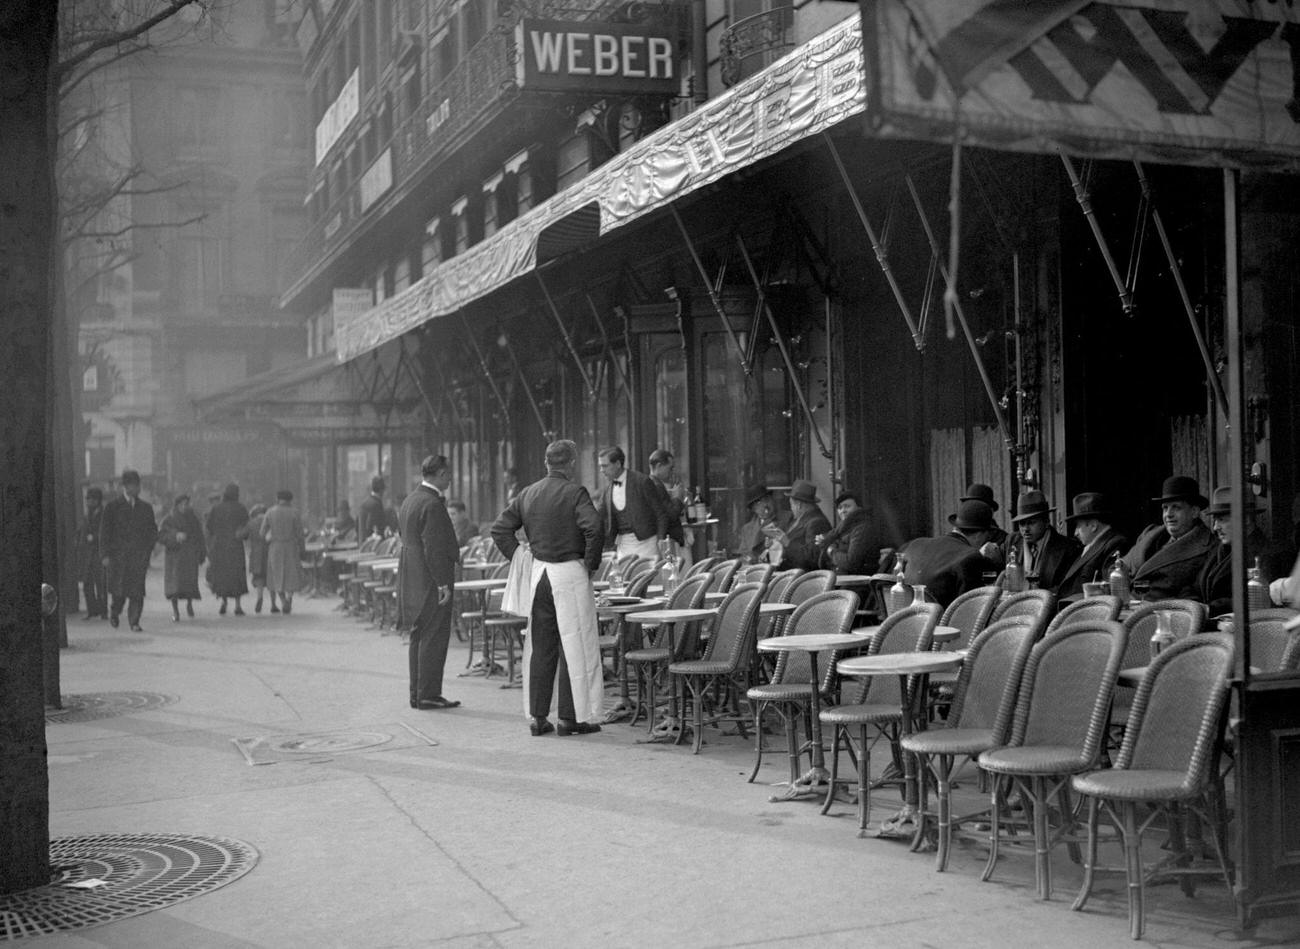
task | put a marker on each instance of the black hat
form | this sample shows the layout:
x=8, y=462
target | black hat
x=1223, y=503
x=972, y=515
x=1032, y=504
x=980, y=492
x=1090, y=504
x=1182, y=488
x=94, y=494
x=755, y=493
x=804, y=491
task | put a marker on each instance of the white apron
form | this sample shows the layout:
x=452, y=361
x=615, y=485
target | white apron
x=575, y=615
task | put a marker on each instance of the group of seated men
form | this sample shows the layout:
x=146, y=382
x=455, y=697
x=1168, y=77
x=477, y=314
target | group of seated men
x=1180, y=557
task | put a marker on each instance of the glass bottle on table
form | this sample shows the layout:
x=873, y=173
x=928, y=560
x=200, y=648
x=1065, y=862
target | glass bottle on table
x=1121, y=584
x=1163, y=637
x=1257, y=597
x=1014, y=579
x=615, y=578
x=900, y=594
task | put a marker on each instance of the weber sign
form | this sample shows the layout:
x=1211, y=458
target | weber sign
x=566, y=56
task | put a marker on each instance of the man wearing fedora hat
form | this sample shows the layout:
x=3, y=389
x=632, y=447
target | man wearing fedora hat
x=1101, y=542
x=1169, y=556
x=799, y=540
x=752, y=541
x=952, y=564
x=1044, y=553
x=1214, y=583
x=995, y=548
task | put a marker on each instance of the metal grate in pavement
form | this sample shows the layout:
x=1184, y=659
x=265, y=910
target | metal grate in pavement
x=95, y=705
x=323, y=745
x=107, y=877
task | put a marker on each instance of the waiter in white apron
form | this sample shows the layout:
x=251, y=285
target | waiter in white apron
x=565, y=536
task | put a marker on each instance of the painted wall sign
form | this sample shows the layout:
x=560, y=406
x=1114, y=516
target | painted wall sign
x=338, y=116
x=586, y=56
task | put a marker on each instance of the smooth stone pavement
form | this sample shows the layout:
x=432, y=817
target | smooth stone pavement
x=493, y=838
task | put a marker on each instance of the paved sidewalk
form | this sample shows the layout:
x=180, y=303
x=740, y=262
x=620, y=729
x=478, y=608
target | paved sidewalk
x=492, y=837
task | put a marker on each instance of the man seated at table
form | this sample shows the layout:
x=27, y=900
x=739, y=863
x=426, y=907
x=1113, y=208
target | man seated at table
x=993, y=549
x=1167, y=557
x=1214, y=583
x=950, y=565
x=1101, y=542
x=466, y=530
x=847, y=548
x=752, y=542
x=799, y=540
x=1044, y=554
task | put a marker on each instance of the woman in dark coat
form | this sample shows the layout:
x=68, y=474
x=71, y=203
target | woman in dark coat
x=257, y=556
x=182, y=537
x=227, y=528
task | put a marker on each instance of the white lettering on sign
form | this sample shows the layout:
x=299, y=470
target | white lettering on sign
x=547, y=48
x=586, y=54
x=606, y=55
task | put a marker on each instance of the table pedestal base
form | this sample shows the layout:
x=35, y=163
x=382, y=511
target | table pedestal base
x=621, y=711
x=811, y=783
x=669, y=731
x=911, y=824
x=482, y=668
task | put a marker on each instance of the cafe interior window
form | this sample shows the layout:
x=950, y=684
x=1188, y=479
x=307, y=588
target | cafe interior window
x=670, y=407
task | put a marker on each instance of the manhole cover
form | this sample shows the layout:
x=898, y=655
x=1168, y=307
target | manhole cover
x=109, y=877
x=268, y=749
x=87, y=708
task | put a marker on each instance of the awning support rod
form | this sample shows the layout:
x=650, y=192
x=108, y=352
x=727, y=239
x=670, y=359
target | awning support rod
x=713, y=295
x=419, y=387
x=961, y=318
x=487, y=373
x=882, y=256
x=528, y=390
x=1085, y=203
x=785, y=351
x=568, y=340
x=1216, y=384
x=609, y=350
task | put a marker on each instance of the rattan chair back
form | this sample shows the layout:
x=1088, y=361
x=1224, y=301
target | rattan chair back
x=760, y=573
x=971, y=612
x=910, y=629
x=1066, y=689
x=637, y=566
x=732, y=640
x=689, y=595
x=497, y=570
x=808, y=585
x=723, y=574
x=700, y=566
x=986, y=690
x=1188, y=617
x=780, y=584
x=637, y=585
x=1273, y=648
x=830, y=612
x=1085, y=610
x=1039, y=605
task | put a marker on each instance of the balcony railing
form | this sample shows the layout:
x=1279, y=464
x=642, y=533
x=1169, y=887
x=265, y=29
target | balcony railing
x=760, y=38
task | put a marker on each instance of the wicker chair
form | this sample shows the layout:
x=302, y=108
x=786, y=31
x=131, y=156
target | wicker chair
x=789, y=692
x=1168, y=762
x=980, y=719
x=1037, y=604
x=809, y=584
x=1273, y=647
x=878, y=704
x=1084, y=611
x=773, y=624
x=1058, y=731
x=649, y=662
x=1188, y=617
x=971, y=612
x=724, y=669
x=701, y=566
x=760, y=573
x=613, y=626
x=722, y=576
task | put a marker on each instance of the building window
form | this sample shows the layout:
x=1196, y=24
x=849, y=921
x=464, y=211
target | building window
x=198, y=118
x=473, y=18
x=460, y=219
x=573, y=160
x=286, y=232
x=432, y=250
x=198, y=265
x=444, y=54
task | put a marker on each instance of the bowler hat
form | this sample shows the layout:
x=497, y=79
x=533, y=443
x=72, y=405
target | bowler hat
x=1182, y=488
x=1090, y=504
x=1222, y=503
x=972, y=515
x=980, y=492
x=804, y=491
x=755, y=493
x=1032, y=504
x=94, y=494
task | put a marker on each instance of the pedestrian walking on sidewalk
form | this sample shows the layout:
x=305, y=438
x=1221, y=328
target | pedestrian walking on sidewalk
x=257, y=556
x=282, y=531
x=566, y=538
x=128, y=533
x=227, y=528
x=91, y=566
x=426, y=576
x=183, y=551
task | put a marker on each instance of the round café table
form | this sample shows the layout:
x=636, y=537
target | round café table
x=668, y=730
x=618, y=612
x=480, y=588
x=812, y=644
x=904, y=665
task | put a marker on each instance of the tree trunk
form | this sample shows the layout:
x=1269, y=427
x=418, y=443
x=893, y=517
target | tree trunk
x=27, y=49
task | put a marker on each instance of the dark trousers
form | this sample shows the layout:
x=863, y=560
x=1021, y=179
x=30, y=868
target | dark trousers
x=548, y=657
x=134, y=607
x=427, y=654
x=92, y=588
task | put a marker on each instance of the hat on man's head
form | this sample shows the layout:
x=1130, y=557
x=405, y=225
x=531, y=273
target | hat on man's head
x=1222, y=503
x=804, y=491
x=1032, y=504
x=130, y=476
x=1090, y=504
x=980, y=492
x=973, y=515
x=94, y=494
x=1182, y=488
x=755, y=493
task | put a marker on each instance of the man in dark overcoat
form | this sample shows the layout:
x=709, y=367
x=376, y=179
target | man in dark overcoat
x=952, y=564
x=128, y=532
x=371, y=518
x=1169, y=556
x=1091, y=516
x=1044, y=553
x=426, y=574
x=91, y=564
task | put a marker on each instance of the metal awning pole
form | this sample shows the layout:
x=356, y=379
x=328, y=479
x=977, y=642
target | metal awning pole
x=713, y=296
x=1085, y=202
x=1236, y=421
x=961, y=318
x=882, y=256
x=1216, y=384
x=568, y=340
x=528, y=390
x=785, y=350
x=487, y=374
x=609, y=350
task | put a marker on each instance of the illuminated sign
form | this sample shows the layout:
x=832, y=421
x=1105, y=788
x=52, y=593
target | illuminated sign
x=567, y=56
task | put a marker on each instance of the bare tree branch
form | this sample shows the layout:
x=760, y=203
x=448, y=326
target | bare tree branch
x=93, y=46
x=139, y=225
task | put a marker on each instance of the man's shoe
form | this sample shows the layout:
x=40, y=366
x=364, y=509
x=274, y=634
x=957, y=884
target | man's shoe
x=414, y=704
x=135, y=628
x=540, y=727
x=113, y=621
x=576, y=728
x=439, y=702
